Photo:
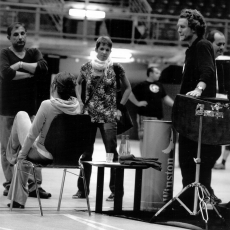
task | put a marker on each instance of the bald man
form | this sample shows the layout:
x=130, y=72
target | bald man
x=217, y=39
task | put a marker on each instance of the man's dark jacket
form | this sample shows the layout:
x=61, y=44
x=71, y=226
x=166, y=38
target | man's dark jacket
x=199, y=66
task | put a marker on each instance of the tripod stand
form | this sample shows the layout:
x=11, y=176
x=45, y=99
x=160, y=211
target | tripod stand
x=201, y=192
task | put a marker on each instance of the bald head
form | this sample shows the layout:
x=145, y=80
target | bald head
x=217, y=39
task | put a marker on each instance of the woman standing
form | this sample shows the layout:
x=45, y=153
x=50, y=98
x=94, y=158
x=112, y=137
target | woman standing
x=102, y=106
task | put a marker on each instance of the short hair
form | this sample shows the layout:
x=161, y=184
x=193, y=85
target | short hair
x=196, y=21
x=15, y=25
x=104, y=40
x=65, y=85
x=150, y=70
x=211, y=34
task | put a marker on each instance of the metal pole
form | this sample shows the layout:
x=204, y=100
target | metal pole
x=85, y=22
x=198, y=161
x=37, y=23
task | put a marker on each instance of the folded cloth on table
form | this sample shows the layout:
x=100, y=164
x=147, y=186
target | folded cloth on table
x=132, y=160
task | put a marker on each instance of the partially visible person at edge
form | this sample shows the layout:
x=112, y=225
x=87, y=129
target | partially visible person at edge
x=199, y=79
x=148, y=97
x=102, y=107
x=218, y=41
x=30, y=137
x=20, y=68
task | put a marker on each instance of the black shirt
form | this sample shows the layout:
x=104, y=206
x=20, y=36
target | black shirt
x=152, y=92
x=199, y=66
x=19, y=95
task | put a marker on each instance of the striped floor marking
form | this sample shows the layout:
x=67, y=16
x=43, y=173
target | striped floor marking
x=91, y=223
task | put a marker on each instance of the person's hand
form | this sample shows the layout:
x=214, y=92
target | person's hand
x=29, y=75
x=20, y=157
x=142, y=103
x=15, y=66
x=119, y=114
x=195, y=93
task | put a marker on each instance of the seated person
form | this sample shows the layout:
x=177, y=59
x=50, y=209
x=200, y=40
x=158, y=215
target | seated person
x=27, y=139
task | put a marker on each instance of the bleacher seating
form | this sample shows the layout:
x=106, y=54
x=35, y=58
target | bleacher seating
x=209, y=8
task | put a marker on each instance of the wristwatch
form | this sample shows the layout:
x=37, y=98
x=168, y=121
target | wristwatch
x=200, y=87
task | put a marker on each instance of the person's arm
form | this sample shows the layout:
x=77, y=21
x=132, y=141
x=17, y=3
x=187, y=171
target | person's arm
x=7, y=73
x=125, y=96
x=37, y=64
x=15, y=72
x=34, y=131
x=127, y=87
x=206, y=68
x=134, y=100
x=168, y=101
x=29, y=67
x=127, y=91
x=78, y=90
x=19, y=75
x=198, y=90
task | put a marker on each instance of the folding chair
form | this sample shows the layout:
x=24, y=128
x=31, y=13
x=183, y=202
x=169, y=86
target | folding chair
x=66, y=140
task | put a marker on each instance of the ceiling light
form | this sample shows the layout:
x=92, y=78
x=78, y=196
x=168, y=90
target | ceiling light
x=95, y=14
x=117, y=55
x=223, y=57
x=90, y=14
x=77, y=13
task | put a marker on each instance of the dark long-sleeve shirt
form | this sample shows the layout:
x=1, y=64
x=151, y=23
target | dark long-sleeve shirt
x=199, y=66
x=19, y=95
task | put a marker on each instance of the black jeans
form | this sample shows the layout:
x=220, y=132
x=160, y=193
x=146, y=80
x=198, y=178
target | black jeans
x=108, y=133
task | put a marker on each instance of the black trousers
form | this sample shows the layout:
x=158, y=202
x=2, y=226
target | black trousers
x=187, y=153
x=108, y=133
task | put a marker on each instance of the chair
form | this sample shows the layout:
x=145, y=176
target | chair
x=66, y=140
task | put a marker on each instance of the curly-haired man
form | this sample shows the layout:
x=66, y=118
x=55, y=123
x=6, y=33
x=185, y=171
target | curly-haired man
x=199, y=79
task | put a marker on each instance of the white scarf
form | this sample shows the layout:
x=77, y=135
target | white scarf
x=100, y=67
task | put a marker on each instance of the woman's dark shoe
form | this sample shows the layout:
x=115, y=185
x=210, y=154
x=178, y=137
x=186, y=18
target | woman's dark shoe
x=16, y=205
x=110, y=197
x=224, y=205
x=42, y=193
x=79, y=195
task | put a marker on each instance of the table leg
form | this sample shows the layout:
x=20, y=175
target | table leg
x=119, y=180
x=137, y=191
x=100, y=187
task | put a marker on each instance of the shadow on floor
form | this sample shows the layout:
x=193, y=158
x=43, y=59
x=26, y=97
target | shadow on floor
x=180, y=219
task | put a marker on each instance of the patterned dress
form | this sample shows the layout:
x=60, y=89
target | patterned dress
x=102, y=106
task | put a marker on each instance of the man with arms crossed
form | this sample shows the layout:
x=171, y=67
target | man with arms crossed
x=20, y=68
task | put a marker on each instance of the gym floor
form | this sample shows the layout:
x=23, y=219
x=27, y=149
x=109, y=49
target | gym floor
x=74, y=214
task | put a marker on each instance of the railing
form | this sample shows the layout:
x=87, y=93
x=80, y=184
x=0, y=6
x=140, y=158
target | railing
x=55, y=11
x=122, y=27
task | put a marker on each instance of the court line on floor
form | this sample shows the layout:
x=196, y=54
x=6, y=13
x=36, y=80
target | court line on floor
x=90, y=222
